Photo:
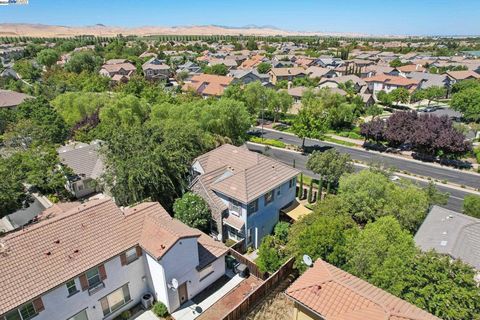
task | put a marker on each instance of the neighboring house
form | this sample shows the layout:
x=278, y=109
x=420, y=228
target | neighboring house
x=334, y=82
x=11, y=99
x=189, y=67
x=320, y=72
x=119, y=70
x=253, y=62
x=405, y=70
x=97, y=260
x=389, y=83
x=245, y=191
x=282, y=64
x=231, y=64
x=457, y=76
x=325, y=292
x=328, y=62
x=430, y=79
x=8, y=72
x=155, y=69
x=208, y=84
x=245, y=76
x=451, y=233
x=11, y=53
x=87, y=165
x=286, y=74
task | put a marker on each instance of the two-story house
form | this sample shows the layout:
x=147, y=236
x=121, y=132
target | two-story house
x=245, y=191
x=95, y=261
x=155, y=69
x=119, y=70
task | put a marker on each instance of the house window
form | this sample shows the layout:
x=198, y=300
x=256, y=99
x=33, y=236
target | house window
x=71, y=287
x=279, y=191
x=25, y=312
x=291, y=183
x=82, y=315
x=252, y=207
x=115, y=300
x=269, y=197
x=249, y=235
x=93, y=277
x=131, y=255
x=235, y=206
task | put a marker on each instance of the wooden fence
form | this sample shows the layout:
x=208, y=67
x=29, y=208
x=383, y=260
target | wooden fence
x=252, y=267
x=257, y=296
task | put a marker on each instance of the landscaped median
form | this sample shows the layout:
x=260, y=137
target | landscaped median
x=268, y=142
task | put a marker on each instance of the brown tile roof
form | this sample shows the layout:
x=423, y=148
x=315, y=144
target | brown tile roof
x=252, y=62
x=111, y=68
x=411, y=68
x=11, y=98
x=283, y=72
x=208, y=84
x=462, y=75
x=47, y=254
x=247, y=175
x=393, y=80
x=337, y=295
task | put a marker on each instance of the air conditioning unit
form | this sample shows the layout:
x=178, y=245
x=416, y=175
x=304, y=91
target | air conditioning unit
x=147, y=301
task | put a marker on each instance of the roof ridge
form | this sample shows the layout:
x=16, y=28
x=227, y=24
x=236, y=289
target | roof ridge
x=60, y=217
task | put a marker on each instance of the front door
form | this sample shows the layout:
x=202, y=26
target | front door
x=182, y=293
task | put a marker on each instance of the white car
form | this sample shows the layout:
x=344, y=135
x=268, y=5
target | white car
x=394, y=178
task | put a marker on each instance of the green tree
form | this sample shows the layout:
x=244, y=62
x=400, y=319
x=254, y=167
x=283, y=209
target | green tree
x=270, y=255
x=192, y=210
x=74, y=106
x=381, y=254
x=83, y=61
x=251, y=45
x=27, y=70
x=278, y=103
x=218, y=69
x=396, y=63
x=319, y=235
x=471, y=205
x=330, y=165
x=435, y=197
x=434, y=92
x=310, y=121
x=48, y=57
x=400, y=95
x=12, y=191
x=281, y=231
x=467, y=102
x=264, y=67
x=384, y=98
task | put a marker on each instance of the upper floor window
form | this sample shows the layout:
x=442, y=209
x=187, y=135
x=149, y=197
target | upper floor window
x=269, y=197
x=93, y=277
x=252, y=207
x=25, y=312
x=71, y=287
x=235, y=206
x=291, y=183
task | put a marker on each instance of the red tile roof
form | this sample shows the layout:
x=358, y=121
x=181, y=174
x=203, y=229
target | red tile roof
x=393, y=80
x=208, y=84
x=49, y=253
x=337, y=295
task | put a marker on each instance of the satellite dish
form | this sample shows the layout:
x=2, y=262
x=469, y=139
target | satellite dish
x=174, y=285
x=307, y=260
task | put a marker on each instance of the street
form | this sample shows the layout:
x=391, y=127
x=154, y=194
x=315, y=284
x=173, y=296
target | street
x=455, y=200
x=365, y=156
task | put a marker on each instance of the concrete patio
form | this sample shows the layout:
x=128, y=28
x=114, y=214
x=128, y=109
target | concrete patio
x=191, y=310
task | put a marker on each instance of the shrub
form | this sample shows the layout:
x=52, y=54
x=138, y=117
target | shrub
x=160, y=309
x=471, y=206
x=281, y=231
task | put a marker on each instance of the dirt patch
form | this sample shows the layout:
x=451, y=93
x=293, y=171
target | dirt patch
x=276, y=306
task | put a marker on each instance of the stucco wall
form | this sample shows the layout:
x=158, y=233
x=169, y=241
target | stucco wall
x=59, y=306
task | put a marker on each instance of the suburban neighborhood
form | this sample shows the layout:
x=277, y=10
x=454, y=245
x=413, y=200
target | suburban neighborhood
x=204, y=170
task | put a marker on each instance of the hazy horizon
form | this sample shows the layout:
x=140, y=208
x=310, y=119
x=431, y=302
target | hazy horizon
x=372, y=17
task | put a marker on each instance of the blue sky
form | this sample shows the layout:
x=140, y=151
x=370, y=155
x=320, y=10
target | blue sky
x=418, y=17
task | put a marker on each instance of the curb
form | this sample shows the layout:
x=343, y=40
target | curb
x=379, y=153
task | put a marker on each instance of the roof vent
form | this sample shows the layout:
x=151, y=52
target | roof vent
x=57, y=241
x=48, y=253
x=75, y=251
x=443, y=243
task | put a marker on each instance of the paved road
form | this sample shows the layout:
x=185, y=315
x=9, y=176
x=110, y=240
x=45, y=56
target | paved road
x=415, y=167
x=455, y=201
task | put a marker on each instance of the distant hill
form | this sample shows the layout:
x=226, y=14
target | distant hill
x=40, y=30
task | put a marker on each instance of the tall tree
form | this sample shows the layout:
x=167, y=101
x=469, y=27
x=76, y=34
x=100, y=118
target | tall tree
x=192, y=210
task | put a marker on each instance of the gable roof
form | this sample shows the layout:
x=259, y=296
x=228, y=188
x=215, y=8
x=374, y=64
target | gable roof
x=462, y=75
x=283, y=72
x=452, y=233
x=337, y=295
x=208, y=84
x=84, y=159
x=393, y=80
x=71, y=242
x=246, y=174
x=10, y=98
x=318, y=72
